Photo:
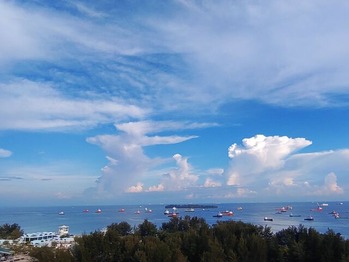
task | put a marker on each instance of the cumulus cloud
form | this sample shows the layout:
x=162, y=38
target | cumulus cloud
x=271, y=165
x=215, y=177
x=330, y=186
x=5, y=153
x=259, y=154
x=158, y=188
x=128, y=164
x=181, y=177
x=269, y=151
x=209, y=182
x=262, y=165
x=178, y=179
x=135, y=189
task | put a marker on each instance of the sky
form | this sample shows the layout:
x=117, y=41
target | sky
x=175, y=101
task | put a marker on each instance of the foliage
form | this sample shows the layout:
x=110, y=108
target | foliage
x=192, y=239
x=122, y=228
x=47, y=254
x=8, y=231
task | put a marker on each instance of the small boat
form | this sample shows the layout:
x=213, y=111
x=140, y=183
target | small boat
x=98, y=211
x=137, y=212
x=148, y=210
x=166, y=212
x=292, y=215
x=61, y=213
x=85, y=211
x=282, y=209
x=190, y=210
x=173, y=214
x=219, y=214
x=309, y=218
x=239, y=208
x=227, y=213
x=318, y=209
x=121, y=210
x=268, y=219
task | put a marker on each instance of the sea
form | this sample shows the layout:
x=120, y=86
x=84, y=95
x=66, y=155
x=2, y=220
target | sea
x=48, y=219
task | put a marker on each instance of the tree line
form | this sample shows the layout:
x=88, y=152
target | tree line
x=192, y=239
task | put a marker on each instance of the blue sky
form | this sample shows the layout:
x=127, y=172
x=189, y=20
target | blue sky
x=137, y=102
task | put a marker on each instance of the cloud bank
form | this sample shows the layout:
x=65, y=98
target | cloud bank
x=262, y=167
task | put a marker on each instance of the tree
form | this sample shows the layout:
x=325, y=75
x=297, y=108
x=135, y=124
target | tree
x=8, y=231
x=147, y=229
x=123, y=228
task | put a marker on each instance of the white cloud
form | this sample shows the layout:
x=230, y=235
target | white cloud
x=87, y=10
x=268, y=52
x=242, y=192
x=209, y=182
x=270, y=165
x=215, y=171
x=37, y=106
x=5, y=153
x=331, y=184
x=233, y=178
x=277, y=52
x=139, y=128
x=181, y=177
x=135, y=189
x=158, y=188
x=64, y=70
x=269, y=151
x=329, y=187
x=129, y=164
x=259, y=154
x=226, y=193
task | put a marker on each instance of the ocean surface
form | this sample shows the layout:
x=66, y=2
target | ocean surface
x=48, y=219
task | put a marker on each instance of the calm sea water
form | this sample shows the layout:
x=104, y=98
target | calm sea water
x=37, y=219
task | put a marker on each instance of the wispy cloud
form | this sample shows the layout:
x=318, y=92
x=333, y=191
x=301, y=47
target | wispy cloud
x=11, y=178
x=273, y=52
x=28, y=105
x=195, y=54
x=44, y=184
x=5, y=153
